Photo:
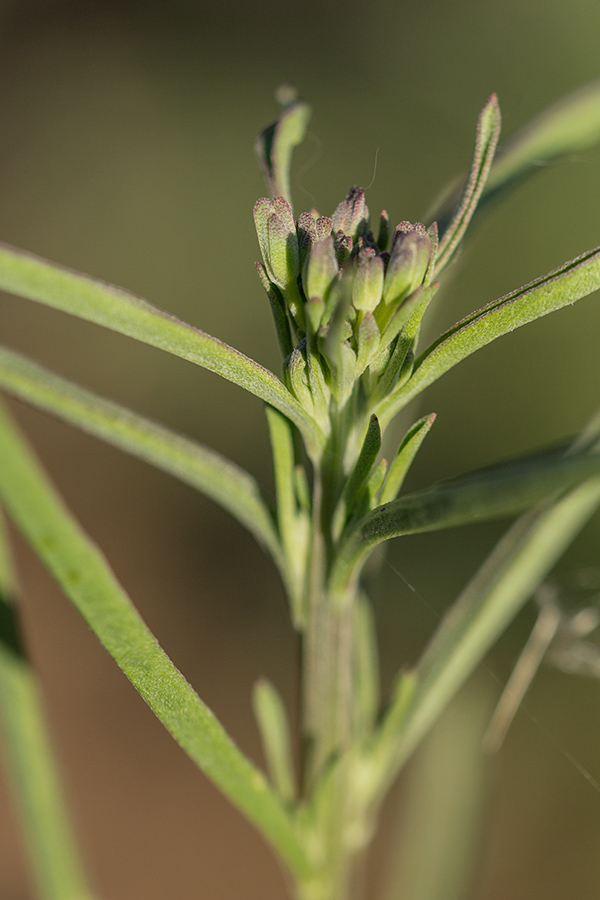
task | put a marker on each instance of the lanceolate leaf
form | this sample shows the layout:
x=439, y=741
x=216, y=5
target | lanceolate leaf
x=494, y=492
x=86, y=578
x=570, y=126
x=488, y=131
x=573, y=280
x=202, y=468
x=30, y=276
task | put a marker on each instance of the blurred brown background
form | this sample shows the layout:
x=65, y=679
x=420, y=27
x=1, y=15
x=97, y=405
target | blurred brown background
x=126, y=133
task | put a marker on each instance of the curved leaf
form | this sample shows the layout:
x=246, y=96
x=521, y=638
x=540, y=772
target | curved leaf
x=80, y=295
x=574, y=279
x=488, y=132
x=87, y=580
x=206, y=470
x=275, y=144
x=569, y=126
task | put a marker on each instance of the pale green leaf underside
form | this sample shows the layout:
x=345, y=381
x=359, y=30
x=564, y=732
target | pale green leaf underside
x=87, y=580
x=574, y=279
x=204, y=469
x=80, y=295
x=490, y=493
x=28, y=758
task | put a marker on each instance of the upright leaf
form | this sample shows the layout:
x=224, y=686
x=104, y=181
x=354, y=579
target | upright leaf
x=488, y=132
x=570, y=126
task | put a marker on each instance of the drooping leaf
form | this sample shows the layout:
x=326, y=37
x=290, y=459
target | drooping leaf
x=575, y=279
x=272, y=719
x=87, y=580
x=274, y=145
x=202, y=468
x=34, y=278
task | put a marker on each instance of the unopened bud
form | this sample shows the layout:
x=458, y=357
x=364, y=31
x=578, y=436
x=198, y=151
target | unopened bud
x=407, y=266
x=320, y=270
x=278, y=241
x=368, y=280
x=342, y=246
x=352, y=215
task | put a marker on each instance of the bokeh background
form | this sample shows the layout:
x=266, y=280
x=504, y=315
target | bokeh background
x=126, y=132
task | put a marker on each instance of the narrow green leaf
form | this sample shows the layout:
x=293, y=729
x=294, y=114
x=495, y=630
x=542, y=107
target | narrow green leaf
x=497, y=491
x=206, y=470
x=573, y=280
x=274, y=145
x=272, y=719
x=36, y=279
x=407, y=451
x=569, y=126
x=30, y=768
x=488, y=131
x=84, y=575
x=365, y=462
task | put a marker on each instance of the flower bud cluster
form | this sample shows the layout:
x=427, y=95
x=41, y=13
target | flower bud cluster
x=348, y=299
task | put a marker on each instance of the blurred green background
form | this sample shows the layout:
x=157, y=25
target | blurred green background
x=126, y=132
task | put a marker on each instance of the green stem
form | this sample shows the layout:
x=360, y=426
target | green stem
x=57, y=870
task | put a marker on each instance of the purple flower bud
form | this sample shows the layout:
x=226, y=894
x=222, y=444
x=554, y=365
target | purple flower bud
x=352, y=215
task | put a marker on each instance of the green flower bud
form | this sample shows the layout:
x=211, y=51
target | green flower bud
x=320, y=270
x=368, y=280
x=352, y=215
x=278, y=241
x=408, y=263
